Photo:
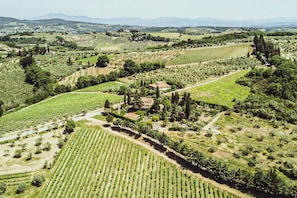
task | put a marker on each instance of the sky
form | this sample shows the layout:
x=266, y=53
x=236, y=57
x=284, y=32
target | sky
x=220, y=9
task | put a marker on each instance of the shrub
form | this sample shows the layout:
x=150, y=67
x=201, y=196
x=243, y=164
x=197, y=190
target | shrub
x=251, y=163
x=109, y=118
x=260, y=138
x=236, y=155
x=212, y=149
x=47, y=146
x=60, y=142
x=288, y=165
x=208, y=134
x=18, y=154
x=245, y=152
x=2, y=188
x=37, y=180
x=70, y=125
x=21, y=188
x=271, y=157
x=29, y=156
x=38, y=150
x=38, y=142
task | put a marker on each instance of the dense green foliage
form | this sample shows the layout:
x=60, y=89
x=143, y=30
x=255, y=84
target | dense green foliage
x=130, y=68
x=21, y=188
x=213, y=39
x=265, y=48
x=60, y=41
x=38, y=180
x=274, y=91
x=69, y=127
x=138, y=36
x=2, y=187
x=102, y=61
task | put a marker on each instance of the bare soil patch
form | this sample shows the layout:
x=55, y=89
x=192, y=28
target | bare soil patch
x=10, y=165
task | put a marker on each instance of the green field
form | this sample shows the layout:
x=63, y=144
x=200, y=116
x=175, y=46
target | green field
x=103, y=87
x=211, y=53
x=223, y=91
x=54, y=108
x=97, y=164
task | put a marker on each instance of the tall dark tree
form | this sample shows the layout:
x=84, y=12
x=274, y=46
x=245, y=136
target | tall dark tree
x=107, y=104
x=1, y=107
x=157, y=92
x=26, y=61
x=69, y=62
x=188, y=107
x=156, y=106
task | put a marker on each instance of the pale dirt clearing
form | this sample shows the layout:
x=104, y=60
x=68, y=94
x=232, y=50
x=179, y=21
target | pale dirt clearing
x=10, y=165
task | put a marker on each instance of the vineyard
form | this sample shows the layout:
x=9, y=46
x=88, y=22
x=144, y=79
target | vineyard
x=58, y=107
x=118, y=60
x=193, y=73
x=13, y=89
x=212, y=53
x=97, y=164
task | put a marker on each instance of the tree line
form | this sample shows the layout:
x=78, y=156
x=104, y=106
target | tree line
x=212, y=39
x=129, y=68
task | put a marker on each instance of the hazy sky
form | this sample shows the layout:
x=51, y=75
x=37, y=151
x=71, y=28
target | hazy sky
x=221, y=9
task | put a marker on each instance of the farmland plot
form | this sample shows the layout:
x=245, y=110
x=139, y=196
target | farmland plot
x=97, y=164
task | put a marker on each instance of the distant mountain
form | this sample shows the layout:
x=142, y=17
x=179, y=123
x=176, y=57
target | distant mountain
x=177, y=22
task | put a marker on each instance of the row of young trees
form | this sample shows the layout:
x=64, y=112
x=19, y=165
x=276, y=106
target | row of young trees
x=213, y=39
x=129, y=68
x=137, y=36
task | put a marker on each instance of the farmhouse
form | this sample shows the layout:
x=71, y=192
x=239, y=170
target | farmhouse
x=161, y=85
x=132, y=116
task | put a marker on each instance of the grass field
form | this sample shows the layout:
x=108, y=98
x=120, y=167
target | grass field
x=97, y=164
x=54, y=108
x=115, y=85
x=211, y=53
x=223, y=91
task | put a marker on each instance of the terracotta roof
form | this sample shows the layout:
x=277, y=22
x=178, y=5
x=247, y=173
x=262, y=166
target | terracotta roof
x=160, y=85
x=132, y=116
x=147, y=102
